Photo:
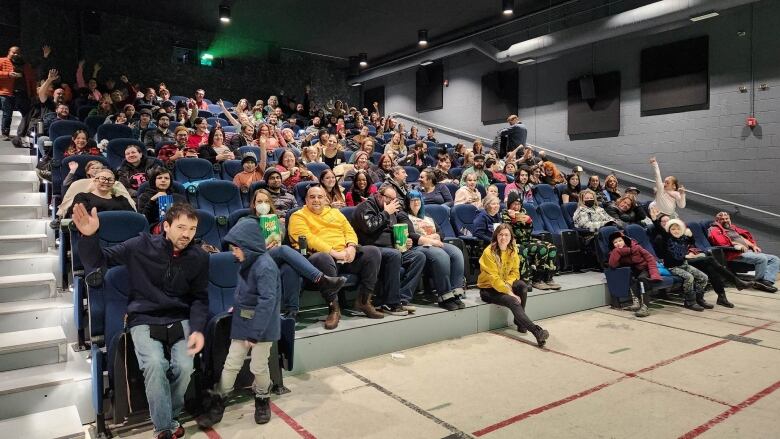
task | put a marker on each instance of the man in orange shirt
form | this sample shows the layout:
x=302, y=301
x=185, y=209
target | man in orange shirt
x=9, y=73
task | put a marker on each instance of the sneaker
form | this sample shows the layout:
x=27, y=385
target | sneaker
x=262, y=409
x=540, y=285
x=693, y=306
x=642, y=311
x=553, y=285
x=179, y=433
x=408, y=308
x=214, y=408
x=449, y=304
x=394, y=310
x=5, y=137
x=460, y=303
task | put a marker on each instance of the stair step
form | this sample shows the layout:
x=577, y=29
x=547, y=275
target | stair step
x=27, y=287
x=11, y=265
x=30, y=196
x=22, y=211
x=17, y=163
x=32, y=347
x=23, y=227
x=61, y=423
x=37, y=313
x=19, y=181
x=47, y=387
x=20, y=244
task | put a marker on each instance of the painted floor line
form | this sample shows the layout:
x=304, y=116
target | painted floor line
x=298, y=428
x=730, y=412
x=517, y=418
x=456, y=433
x=628, y=374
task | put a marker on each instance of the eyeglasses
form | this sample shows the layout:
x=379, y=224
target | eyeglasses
x=105, y=180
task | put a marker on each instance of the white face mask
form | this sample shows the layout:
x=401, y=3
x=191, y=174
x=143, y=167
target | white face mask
x=262, y=208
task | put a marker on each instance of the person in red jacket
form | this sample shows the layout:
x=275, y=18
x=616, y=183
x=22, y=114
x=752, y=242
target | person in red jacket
x=745, y=249
x=11, y=69
x=625, y=252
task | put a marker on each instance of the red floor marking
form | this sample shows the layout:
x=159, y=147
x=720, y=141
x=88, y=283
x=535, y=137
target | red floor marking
x=576, y=396
x=546, y=407
x=302, y=432
x=212, y=434
x=730, y=412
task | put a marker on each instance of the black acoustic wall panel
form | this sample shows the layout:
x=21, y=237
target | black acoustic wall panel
x=597, y=117
x=675, y=77
x=376, y=94
x=430, y=87
x=499, y=95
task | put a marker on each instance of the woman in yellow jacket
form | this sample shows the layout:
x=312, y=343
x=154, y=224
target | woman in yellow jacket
x=499, y=280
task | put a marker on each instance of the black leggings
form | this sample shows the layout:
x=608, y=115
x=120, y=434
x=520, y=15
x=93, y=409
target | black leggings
x=515, y=302
x=714, y=271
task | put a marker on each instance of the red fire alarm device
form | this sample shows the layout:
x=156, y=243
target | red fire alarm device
x=752, y=121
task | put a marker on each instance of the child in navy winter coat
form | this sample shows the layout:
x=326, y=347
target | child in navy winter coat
x=256, y=323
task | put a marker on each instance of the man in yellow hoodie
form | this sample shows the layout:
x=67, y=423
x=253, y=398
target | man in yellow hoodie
x=335, y=250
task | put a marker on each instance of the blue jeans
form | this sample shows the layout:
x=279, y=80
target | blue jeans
x=446, y=267
x=397, y=290
x=766, y=265
x=293, y=266
x=165, y=382
x=7, y=106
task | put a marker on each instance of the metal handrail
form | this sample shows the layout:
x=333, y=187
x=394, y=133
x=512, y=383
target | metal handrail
x=580, y=161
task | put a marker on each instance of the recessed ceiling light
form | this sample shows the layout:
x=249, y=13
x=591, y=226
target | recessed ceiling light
x=357, y=84
x=526, y=61
x=427, y=62
x=422, y=37
x=508, y=7
x=704, y=16
x=363, y=59
x=224, y=13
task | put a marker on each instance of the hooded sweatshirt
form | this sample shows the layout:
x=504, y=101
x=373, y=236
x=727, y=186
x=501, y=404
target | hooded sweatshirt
x=632, y=255
x=258, y=292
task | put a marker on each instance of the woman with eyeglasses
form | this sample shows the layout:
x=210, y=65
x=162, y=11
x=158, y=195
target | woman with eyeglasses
x=102, y=195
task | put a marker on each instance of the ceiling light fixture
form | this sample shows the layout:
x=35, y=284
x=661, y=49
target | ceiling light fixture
x=224, y=13
x=363, y=59
x=357, y=84
x=704, y=16
x=422, y=37
x=508, y=7
x=526, y=61
x=427, y=62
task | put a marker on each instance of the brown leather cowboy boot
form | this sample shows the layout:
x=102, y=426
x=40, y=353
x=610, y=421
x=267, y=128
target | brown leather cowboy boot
x=334, y=315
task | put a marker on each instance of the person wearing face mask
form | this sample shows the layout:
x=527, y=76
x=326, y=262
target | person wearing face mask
x=294, y=267
x=134, y=170
x=589, y=215
x=160, y=183
x=745, y=249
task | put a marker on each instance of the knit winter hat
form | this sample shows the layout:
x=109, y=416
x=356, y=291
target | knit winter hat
x=512, y=197
x=269, y=172
x=615, y=235
x=680, y=224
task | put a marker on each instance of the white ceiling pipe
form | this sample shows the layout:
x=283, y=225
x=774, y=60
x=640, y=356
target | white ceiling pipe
x=661, y=13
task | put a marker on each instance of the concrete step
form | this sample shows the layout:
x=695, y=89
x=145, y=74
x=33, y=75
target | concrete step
x=37, y=313
x=62, y=423
x=32, y=347
x=28, y=197
x=17, y=163
x=21, y=244
x=22, y=211
x=19, y=181
x=24, y=226
x=52, y=386
x=13, y=265
x=27, y=287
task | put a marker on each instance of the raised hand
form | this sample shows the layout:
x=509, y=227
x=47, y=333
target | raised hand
x=124, y=79
x=653, y=160
x=46, y=50
x=97, y=67
x=54, y=74
x=72, y=166
x=87, y=223
x=82, y=62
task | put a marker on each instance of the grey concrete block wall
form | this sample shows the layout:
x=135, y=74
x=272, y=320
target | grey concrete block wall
x=711, y=150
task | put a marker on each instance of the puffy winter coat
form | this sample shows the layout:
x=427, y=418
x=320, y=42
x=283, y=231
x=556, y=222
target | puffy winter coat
x=634, y=256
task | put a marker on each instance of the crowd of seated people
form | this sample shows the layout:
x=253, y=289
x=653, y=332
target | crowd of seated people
x=366, y=160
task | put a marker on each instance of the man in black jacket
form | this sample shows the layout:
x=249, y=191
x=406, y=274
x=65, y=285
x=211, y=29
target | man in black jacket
x=167, y=307
x=374, y=220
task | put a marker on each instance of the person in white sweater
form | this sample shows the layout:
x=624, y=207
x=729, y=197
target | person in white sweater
x=669, y=194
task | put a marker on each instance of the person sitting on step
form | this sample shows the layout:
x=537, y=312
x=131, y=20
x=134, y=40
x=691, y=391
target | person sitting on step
x=499, y=281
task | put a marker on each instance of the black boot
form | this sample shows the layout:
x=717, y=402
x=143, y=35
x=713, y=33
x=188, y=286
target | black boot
x=724, y=301
x=330, y=285
x=693, y=306
x=213, y=411
x=262, y=409
x=703, y=303
x=541, y=335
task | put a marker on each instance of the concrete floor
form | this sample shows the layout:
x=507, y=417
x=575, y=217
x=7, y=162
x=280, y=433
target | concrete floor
x=677, y=373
